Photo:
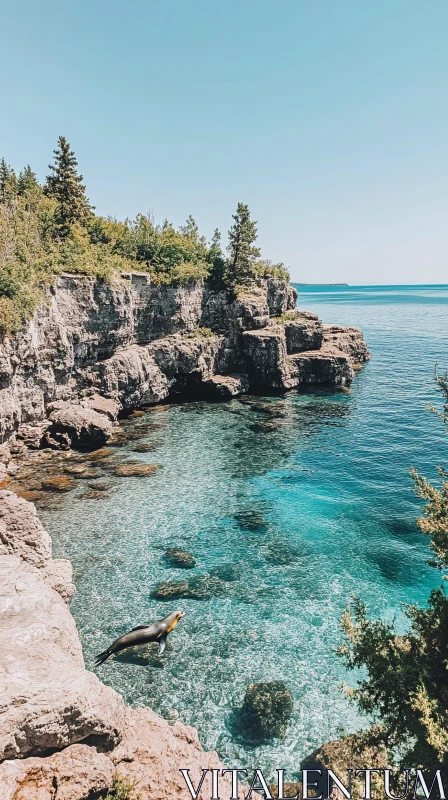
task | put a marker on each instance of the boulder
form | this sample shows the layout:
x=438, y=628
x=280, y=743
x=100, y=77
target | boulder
x=77, y=425
x=32, y=435
x=103, y=405
x=267, y=709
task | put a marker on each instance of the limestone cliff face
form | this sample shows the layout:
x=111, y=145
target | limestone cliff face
x=137, y=344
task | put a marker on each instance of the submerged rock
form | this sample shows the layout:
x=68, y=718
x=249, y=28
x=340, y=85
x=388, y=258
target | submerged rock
x=267, y=709
x=58, y=483
x=279, y=552
x=251, y=520
x=95, y=494
x=145, y=447
x=100, y=486
x=180, y=558
x=227, y=572
x=32, y=495
x=98, y=455
x=128, y=470
x=204, y=587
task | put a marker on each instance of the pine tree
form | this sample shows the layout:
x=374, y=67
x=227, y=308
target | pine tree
x=65, y=186
x=190, y=229
x=242, y=251
x=8, y=181
x=215, y=257
x=27, y=180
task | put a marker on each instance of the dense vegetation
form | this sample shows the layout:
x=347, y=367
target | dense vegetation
x=406, y=688
x=49, y=229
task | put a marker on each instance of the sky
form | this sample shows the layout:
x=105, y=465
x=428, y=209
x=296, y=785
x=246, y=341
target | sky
x=328, y=117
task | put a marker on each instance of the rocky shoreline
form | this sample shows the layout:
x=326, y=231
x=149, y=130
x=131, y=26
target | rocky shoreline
x=94, y=352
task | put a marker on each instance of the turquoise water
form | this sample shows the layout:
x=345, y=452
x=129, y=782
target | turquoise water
x=311, y=507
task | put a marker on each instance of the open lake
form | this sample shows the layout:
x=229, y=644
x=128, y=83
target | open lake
x=295, y=502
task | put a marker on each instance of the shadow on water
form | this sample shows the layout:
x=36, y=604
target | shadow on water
x=145, y=656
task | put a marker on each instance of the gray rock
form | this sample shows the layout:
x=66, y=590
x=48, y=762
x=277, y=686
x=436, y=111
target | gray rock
x=304, y=331
x=225, y=387
x=348, y=339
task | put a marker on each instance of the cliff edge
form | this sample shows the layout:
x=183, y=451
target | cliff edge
x=132, y=343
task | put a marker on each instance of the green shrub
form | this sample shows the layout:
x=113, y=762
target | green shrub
x=122, y=789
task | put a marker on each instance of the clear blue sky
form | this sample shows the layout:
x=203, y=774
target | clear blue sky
x=328, y=117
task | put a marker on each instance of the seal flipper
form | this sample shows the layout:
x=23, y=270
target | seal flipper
x=139, y=628
x=162, y=644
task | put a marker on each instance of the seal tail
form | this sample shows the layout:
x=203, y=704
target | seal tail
x=102, y=657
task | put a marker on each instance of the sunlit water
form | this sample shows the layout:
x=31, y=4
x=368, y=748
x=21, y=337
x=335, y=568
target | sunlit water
x=312, y=509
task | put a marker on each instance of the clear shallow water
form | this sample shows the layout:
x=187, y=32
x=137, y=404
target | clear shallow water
x=311, y=510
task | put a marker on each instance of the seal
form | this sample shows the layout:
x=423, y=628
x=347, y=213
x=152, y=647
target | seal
x=142, y=634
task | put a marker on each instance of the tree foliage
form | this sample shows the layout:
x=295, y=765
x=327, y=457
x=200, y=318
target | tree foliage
x=52, y=229
x=243, y=253
x=406, y=687
x=65, y=186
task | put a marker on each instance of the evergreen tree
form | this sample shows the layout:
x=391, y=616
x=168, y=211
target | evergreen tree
x=190, y=229
x=8, y=181
x=65, y=186
x=215, y=257
x=242, y=252
x=27, y=181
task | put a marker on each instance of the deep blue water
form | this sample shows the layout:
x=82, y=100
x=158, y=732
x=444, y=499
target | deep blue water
x=312, y=508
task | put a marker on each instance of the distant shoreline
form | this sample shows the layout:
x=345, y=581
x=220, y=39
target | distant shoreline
x=320, y=284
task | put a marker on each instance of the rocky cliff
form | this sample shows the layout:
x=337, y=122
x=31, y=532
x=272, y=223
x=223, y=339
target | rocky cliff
x=63, y=734
x=133, y=344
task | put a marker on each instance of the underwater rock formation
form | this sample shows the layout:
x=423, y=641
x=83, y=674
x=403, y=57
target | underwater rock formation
x=267, y=709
